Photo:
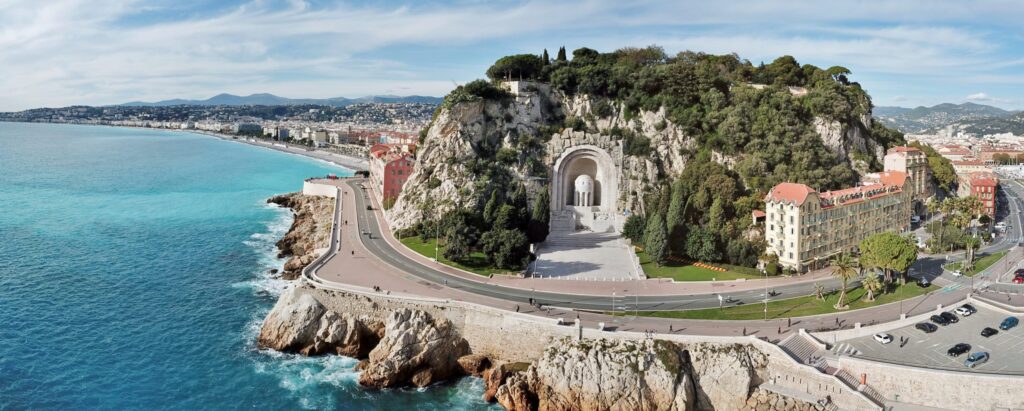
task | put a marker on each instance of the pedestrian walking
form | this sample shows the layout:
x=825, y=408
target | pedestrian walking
x=744, y=330
x=517, y=307
x=670, y=328
x=789, y=322
x=780, y=330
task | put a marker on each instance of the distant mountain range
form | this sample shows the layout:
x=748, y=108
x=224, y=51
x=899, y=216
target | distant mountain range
x=264, y=99
x=929, y=119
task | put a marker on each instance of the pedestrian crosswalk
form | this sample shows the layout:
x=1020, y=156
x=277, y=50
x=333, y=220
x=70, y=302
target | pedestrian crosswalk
x=845, y=349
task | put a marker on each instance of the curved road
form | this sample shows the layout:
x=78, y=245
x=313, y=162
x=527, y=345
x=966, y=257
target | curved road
x=377, y=245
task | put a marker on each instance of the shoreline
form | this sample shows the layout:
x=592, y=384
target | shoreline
x=341, y=160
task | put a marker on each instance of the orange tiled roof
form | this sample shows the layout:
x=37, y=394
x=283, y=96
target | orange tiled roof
x=794, y=193
x=904, y=149
x=983, y=179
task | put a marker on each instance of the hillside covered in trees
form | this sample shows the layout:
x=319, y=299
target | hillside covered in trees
x=703, y=138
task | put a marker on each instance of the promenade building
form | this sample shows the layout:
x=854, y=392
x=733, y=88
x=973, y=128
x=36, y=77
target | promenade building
x=806, y=228
x=983, y=185
x=968, y=165
x=914, y=163
x=390, y=166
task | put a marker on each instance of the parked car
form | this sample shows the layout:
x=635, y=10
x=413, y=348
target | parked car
x=988, y=332
x=976, y=358
x=883, y=338
x=1009, y=323
x=1018, y=279
x=963, y=312
x=915, y=219
x=923, y=282
x=970, y=308
x=940, y=320
x=949, y=316
x=1019, y=272
x=958, y=273
x=928, y=328
x=958, y=349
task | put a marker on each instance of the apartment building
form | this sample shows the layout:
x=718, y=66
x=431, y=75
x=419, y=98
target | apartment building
x=982, y=185
x=914, y=163
x=805, y=228
x=390, y=166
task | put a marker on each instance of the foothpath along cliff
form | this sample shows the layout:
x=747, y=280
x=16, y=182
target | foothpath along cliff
x=309, y=234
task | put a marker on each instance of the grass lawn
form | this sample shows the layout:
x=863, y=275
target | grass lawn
x=979, y=265
x=688, y=272
x=795, y=307
x=478, y=262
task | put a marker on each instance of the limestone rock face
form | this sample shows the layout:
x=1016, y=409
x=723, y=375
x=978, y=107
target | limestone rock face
x=764, y=400
x=603, y=375
x=310, y=232
x=495, y=377
x=846, y=138
x=723, y=374
x=299, y=323
x=474, y=364
x=416, y=349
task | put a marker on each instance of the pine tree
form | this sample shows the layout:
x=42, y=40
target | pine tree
x=540, y=218
x=491, y=207
x=545, y=59
x=656, y=240
x=675, y=216
x=561, y=54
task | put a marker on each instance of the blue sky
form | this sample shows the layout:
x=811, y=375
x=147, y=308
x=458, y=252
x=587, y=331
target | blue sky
x=63, y=52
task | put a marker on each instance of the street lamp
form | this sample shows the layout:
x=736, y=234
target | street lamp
x=613, y=303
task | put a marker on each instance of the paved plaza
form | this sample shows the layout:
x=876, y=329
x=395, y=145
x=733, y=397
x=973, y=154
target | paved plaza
x=585, y=256
x=929, y=350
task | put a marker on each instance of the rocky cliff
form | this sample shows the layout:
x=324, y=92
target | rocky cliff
x=631, y=375
x=538, y=123
x=310, y=232
x=409, y=347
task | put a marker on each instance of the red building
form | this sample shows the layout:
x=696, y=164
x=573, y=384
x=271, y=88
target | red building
x=390, y=166
x=982, y=185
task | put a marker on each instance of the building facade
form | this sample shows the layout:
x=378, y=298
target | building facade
x=914, y=163
x=390, y=166
x=982, y=185
x=805, y=228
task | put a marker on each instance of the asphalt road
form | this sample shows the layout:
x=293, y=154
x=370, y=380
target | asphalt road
x=376, y=244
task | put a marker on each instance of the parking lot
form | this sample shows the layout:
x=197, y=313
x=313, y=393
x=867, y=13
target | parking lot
x=1006, y=349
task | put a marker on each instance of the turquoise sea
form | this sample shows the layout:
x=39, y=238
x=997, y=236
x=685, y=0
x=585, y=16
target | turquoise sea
x=133, y=277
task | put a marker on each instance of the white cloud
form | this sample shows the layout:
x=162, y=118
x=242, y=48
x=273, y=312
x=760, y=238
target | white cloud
x=62, y=52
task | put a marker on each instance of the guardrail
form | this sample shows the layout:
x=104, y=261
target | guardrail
x=309, y=271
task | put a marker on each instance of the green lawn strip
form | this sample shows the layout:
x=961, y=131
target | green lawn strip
x=980, y=264
x=477, y=265
x=687, y=272
x=796, y=307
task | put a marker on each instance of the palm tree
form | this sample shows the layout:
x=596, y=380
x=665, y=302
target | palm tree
x=970, y=244
x=872, y=285
x=844, y=268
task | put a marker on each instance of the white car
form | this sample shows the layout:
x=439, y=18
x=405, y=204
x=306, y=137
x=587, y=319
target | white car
x=958, y=273
x=915, y=219
x=883, y=338
x=962, y=311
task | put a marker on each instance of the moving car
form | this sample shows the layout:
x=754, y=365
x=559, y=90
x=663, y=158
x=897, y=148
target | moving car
x=963, y=312
x=883, y=338
x=950, y=316
x=958, y=349
x=923, y=282
x=940, y=320
x=1019, y=279
x=976, y=358
x=928, y=328
x=915, y=219
x=988, y=332
x=958, y=273
x=1009, y=323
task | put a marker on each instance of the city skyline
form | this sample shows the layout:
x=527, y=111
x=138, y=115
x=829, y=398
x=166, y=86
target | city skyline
x=72, y=52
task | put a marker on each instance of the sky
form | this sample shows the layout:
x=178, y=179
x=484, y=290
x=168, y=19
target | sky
x=57, y=53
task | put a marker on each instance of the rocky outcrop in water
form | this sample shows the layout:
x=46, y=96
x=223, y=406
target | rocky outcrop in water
x=309, y=234
x=299, y=323
x=630, y=375
x=408, y=348
x=416, y=349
